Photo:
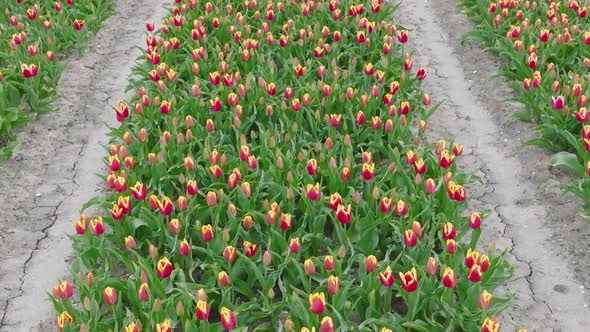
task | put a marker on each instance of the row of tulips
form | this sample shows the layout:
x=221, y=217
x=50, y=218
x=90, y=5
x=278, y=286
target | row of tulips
x=272, y=172
x=546, y=49
x=32, y=32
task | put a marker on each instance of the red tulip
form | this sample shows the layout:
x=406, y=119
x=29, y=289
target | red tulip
x=431, y=266
x=143, y=292
x=202, y=310
x=250, y=249
x=206, y=232
x=368, y=171
x=110, y=295
x=131, y=327
x=228, y=318
x=449, y=278
x=344, y=214
x=294, y=245
x=557, y=102
x=333, y=285
x=63, y=320
x=286, y=221
x=490, y=325
x=165, y=326
x=97, y=226
x=130, y=242
x=326, y=324
x=386, y=204
x=78, y=24
x=370, y=263
x=484, y=300
x=387, y=277
x=317, y=303
x=409, y=280
x=223, y=279
x=449, y=231
x=410, y=238
x=164, y=268
x=29, y=71
x=184, y=248
x=402, y=36
x=475, y=220
x=401, y=208
x=475, y=274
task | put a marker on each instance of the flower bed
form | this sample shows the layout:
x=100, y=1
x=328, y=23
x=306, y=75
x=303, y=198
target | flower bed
x=272, y=172
x=546, y=48
x=31, y=34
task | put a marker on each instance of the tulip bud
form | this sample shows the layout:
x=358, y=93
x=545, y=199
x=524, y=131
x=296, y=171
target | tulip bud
x=370, y=263
x=309, y=267
x=110, y=295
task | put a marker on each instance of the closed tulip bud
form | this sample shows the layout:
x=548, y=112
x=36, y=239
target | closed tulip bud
x=368, y=171
x=228, y=318
x=448, y=231
x=312, y=167
x=143, y=292
x=449, y=278
x=164, y=268
x=451, y=246
x=327, y=324
x=317, y=303
x=410, y=238
x=179, y=309
x=229, y=254
x=223, y=279
x=110, y=296
x=386, y=204
x=484, y=300
x=370, y=263
x=333, y=285
x=344, y=213
x=475, y=220
x=184, y=248
x=309, y=267
x=294, y=245
x=475, y=274
x=386, y=277
x=431, y=266
x=130, y=242
x=329, y=263
x=81, y=226
x=202, y=310
x=484, y=263
x=401, y=208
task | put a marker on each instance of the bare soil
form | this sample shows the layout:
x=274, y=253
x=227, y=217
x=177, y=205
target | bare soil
x=53, y=173
x=535, y=222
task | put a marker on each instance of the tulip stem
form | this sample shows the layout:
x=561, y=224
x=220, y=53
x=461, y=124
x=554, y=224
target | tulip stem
x=388, y=296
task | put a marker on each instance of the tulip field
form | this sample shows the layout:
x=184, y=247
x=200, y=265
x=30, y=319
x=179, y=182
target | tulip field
x=33, y=34
x=545, y=46
x=272, y=172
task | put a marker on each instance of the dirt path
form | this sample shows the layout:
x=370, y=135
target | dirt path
x=546, y=241
x=48, y=180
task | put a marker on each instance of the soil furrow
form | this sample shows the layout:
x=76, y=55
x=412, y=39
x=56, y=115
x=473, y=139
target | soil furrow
x=52, y=175
x=525, y=214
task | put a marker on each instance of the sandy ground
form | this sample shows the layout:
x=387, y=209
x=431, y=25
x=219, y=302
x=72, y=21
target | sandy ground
x=53, y=174
x=547, y=242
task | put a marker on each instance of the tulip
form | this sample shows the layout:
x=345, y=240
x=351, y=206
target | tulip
x=421, y=74
x=449, y=231
x=250, y=249
x=97, y=226
x=202, y=310
x=451, y=246
x=329, y=263
x=370, y=263
x=229, y=254
x=78, y=24
x=81, y=226
x=164, y=268
x=184, y=248
x=228, y=318
x=557, y=102
x=299, y=70
x=165, y=326
x=223, y=279
x=317, y=303
x=333, y=285
x=335, y=201
x=431, y=266
x=206, y=232
x=327, y=324
x=344, y=214
x=475, y=274
x=174, y=226
x=449, y=278
x=368, y=171
x=143, y=292
x=484, y=300
x=402, y=36
x=62, y=320
x=446, y=159
x=386, y=204
x=409, y=280
x=309, y=267
x=430, y=186
x=387, y=277
x=294, y=245
x=474, y=220
x=110, y=295
x=130, y=242
x=312, y=167
x=131, y=327
x=490, y=325
x=29, y=71
x=192, y=187
x=401, y=208
x=410, y=238
x=286, y=221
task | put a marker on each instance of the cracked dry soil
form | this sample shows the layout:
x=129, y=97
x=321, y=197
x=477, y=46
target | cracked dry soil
x=46, y=182
x=546, y=240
